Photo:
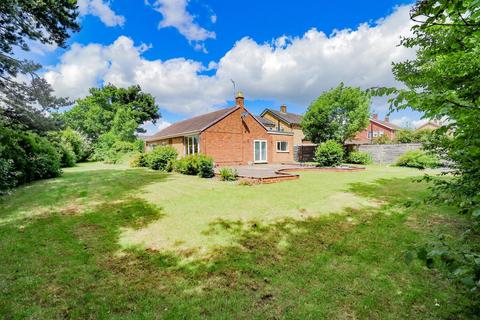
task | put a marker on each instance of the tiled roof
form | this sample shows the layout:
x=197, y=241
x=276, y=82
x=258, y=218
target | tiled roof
x=290, y=118
x=192, y=125
x=386, y=124
x=265, y=122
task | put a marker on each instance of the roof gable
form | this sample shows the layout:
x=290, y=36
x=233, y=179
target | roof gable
x=193, y=125
x=288, y=117
x=388, y=125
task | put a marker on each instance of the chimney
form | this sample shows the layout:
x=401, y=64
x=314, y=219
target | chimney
x=387, y=119
x=240, y=99
x=375, y=116
x=283, y=108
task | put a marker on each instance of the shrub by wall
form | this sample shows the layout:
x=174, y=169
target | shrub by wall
x=197, y=164
x=228, y=174
x=329, y=154
x=358, y=157
x=418, y=159
x=161, y=158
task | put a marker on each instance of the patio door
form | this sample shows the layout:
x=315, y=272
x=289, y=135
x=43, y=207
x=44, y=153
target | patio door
x=260, y=151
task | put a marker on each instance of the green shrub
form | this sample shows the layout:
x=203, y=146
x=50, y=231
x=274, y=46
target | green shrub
x=228, y=174
x=195, y=164
x=187, y=165
x=418, y=159
x=329, y=154
x=8, y=175
x=383, y=139
x=205, y=166
x=78, y=143
x=67, y=156
x=358, y=157
x=138, y=160
x=161, y=158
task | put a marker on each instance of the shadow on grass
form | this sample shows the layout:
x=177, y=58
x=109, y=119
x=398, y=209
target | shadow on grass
x=75, y=192
x=340, y=266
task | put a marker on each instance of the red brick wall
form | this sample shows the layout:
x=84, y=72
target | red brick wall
x=363, y=135
x=230, y=141
x=281, y=157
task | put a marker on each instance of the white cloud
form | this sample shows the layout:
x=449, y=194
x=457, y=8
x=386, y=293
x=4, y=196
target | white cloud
x=102, y=10
x=287, y=69
x=175, y=14
x=154, y=128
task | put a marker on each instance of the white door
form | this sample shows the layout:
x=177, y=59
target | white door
x=260, y=151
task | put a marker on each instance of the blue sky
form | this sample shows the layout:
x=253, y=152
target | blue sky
x=185, y=52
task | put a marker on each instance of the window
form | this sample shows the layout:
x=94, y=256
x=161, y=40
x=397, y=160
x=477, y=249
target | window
x=282, y=146
x=369, y=134
x=375, y=134
x=191, y=145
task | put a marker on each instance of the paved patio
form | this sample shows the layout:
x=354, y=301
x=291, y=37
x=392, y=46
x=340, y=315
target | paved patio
x=270, y=173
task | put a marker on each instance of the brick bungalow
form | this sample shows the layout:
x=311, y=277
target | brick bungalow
x=375, y=129
x=231, y=136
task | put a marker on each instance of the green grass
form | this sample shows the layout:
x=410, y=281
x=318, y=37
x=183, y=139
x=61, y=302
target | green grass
x=110, y=242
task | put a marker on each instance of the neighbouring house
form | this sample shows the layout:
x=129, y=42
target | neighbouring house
x=284, y=121
x=430, y=125
x=231, y=136
x=375, y=129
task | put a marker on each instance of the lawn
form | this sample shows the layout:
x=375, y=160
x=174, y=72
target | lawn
x=105, y=241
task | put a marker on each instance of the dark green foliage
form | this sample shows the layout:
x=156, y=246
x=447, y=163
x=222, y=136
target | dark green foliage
x=443, y=83
x=8, y=175
x=24, y=103
x=161, y=158
x=26, y=156
x=418, y=159
x=329, y=154
x=228, y=174
x=337, y=115
x=67, y=156
x=111, y=149
x=195, y=164
x=358, y=157
x=205, y=167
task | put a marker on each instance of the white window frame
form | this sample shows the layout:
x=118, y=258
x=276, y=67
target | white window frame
x=286, y=146
x=188, y=141
x=266, y=151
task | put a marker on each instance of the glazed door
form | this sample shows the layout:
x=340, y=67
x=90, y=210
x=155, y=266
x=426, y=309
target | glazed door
x=260, y=151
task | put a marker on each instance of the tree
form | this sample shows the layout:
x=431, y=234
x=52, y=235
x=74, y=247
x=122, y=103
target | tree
x=113, y=110
x=337, y=115
x=25, y=103
x=443, y=81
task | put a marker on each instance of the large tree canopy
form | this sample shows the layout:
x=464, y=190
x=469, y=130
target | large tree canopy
x=443, y=82
x=25, y=103
x=119, y=111
x=337, y=115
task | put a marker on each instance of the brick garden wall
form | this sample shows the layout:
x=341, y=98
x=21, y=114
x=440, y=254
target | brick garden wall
x=387, y=153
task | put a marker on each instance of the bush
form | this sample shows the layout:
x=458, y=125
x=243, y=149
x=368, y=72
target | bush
x=111, y=150
x=418, y=159
x=187, y=165
x=358, y=157
x=228, y=174
x=67, y=156
x=205, y=166
x=195, y=164
x=161, y=158
x=383, y=139
x=8, y=175
x=78, y=143
x=138, y=160
x=329, y=154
